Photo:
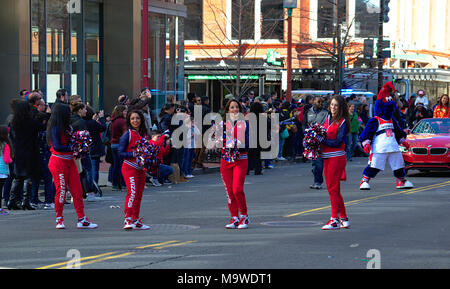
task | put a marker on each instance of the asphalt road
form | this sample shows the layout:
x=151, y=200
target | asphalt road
x=390, y=228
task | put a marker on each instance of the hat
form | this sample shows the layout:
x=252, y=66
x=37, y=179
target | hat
x=420, y=92
x=301, y=101
x=419, y=104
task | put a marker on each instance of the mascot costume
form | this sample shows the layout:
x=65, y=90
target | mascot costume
x=381, y=138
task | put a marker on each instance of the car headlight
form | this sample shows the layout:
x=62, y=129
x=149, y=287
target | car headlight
x=403, y=149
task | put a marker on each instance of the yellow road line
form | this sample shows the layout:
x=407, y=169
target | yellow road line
x=71, y=261
x=107, y=256
x=103, y=259
x=404, y=192
x=158, y=244
x=173, y=245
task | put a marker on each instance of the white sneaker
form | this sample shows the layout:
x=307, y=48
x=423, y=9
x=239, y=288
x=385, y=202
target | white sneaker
x=345, y=223
x=364, y=185
x=234, y=223
x=332, y=224
x=155, y=182
x=92, y=198
x=280, y=159
x=128, y=224
x=84, y=223
x=138, y=225
x=243, y=223
x=60, y=223
x=189, y=176
x=404, y=184
x=49, y=206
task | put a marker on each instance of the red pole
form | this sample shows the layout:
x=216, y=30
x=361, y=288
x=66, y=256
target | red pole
x=144, y=43
x=289, y=57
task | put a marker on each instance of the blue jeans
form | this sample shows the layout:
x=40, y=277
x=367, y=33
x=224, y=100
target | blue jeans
x=87, y=168
x=352, y=141
x=95, y=164
x=317, y=166
x=280, y=149
x=117, y=179
x=49, y=187
x=164, y=172
x=187, y=160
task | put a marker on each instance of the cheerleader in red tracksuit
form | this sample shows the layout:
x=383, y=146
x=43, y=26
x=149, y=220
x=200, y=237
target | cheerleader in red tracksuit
x=133, y=174
x=333, y=153
x=234, y=164
x=63, y=168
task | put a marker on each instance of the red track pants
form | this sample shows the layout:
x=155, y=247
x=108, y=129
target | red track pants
x=334, y=171
x=135, y=183
x=65, y=174
x=233, y=176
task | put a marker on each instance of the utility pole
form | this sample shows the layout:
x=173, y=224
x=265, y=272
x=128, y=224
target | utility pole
x=289, y=4
x=380, y=58
x=289, y=58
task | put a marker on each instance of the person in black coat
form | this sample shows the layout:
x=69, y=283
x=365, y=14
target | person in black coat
x=254, y=152
x=78, y=123
x=96, y=125
x=24, y=137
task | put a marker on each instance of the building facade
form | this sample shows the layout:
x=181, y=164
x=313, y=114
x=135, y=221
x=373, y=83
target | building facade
x=418, y=35
x=93, y=48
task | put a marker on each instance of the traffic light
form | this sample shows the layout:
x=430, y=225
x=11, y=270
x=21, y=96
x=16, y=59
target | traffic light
x=386, y=10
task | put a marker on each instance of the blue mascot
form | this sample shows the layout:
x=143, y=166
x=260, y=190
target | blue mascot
x=381, y=138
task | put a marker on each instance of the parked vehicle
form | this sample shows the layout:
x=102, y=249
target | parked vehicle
x=428, y=145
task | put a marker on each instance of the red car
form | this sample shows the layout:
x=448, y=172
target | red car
x=429, y=145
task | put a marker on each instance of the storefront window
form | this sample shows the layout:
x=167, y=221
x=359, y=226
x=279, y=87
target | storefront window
x=67, y=49
x=38, y=43
x=59, y=62
x=93, y=42
x=157, y=57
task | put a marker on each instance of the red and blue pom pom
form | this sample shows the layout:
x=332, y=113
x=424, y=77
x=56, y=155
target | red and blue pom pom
x=147, y=155
x=314, y=135
x=80, y=142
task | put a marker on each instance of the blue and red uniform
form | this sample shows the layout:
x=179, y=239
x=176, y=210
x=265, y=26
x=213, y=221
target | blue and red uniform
x=65, y=173
x=133, y=174
x=234, y=171
x=333, y=153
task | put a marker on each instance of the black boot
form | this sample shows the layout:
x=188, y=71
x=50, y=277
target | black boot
x=27, y=197
x=12, y=205
x=14, y=197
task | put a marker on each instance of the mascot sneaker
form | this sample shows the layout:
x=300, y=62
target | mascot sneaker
x=404, y=184
x=234, y=223
x=364, y=185
x=332, y=224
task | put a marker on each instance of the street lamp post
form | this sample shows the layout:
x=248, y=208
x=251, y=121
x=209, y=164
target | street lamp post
x=289, y=4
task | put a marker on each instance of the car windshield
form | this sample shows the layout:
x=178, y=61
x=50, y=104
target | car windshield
x=436, y=125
